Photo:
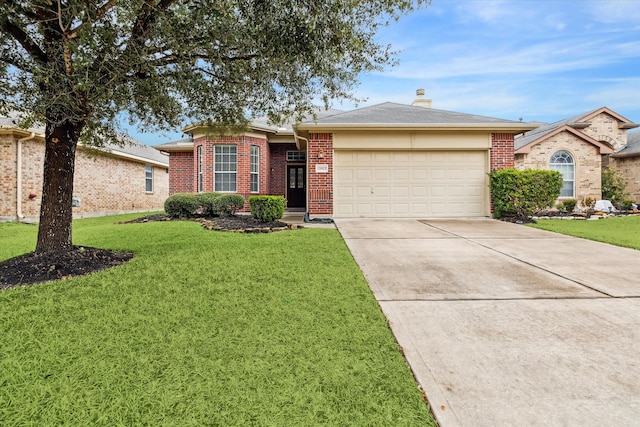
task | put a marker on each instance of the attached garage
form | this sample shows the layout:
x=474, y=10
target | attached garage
x=394, y=161
x=410, y=183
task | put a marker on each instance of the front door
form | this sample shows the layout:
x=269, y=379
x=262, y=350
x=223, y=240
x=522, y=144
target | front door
x=296, y=186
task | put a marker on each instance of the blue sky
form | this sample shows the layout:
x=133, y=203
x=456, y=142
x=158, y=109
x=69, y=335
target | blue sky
x=539, y=60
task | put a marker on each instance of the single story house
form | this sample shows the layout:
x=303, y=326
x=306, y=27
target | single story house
x=579, y=147
x=387, y=160
x=107, y=180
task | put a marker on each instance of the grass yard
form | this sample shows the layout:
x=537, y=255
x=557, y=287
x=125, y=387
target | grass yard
x=201, y=328
x=620, y=231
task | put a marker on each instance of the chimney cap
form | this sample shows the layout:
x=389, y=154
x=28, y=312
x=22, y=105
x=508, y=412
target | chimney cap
x=420, y=92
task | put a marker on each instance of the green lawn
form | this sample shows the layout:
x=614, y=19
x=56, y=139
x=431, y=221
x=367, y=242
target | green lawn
x=201, y=328
x=620, y=231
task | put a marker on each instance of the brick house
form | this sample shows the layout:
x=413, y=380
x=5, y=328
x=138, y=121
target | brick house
x=627, y=161
x=108, y=180
x=388, y=160
x=579, y=147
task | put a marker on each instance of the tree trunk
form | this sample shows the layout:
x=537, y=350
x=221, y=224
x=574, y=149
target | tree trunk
x=54, y=232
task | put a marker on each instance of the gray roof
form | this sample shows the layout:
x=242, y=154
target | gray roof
x=288, y=127
x=392, y=113
x=547, y=128
x=131, y=148
x=632, y=149
x=185, y=144
x=134, y=149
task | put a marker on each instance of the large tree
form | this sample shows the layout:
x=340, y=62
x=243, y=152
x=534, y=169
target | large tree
x=79, y=65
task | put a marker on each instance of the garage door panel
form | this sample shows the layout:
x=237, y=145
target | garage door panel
x=410, y=184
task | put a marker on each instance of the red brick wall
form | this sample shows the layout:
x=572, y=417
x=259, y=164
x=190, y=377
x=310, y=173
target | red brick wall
x=278, y=184
x=320, y=185
x=243, y=143
x=105, y=184
x=181, y=170
x=502, y=152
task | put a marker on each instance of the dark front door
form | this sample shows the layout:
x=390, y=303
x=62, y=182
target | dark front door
x=296, y=186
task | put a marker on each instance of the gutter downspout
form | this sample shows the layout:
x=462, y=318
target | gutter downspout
x=19, y=215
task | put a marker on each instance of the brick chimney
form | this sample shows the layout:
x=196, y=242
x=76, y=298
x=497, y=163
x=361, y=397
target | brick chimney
x=420, y=101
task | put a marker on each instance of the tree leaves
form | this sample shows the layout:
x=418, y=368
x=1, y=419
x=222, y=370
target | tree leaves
x=168, y=62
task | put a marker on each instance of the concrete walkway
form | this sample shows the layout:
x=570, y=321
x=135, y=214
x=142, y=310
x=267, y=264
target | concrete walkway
x=505, y=325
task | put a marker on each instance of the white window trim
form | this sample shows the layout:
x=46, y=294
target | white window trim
x=257, y=165
x=216, y=172
x=147, y=179
x=572, y=164
x=200, y=173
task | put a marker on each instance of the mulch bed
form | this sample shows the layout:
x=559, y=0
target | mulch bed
x=237, y=223
x=36, y=268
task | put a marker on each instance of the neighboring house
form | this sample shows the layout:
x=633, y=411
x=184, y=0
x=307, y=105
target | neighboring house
x=627, y=161
x=388, y=160
x=578, y=147
x=107, y=180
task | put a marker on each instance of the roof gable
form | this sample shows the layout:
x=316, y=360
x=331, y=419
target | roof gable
x=573, y=124
x=524, y=147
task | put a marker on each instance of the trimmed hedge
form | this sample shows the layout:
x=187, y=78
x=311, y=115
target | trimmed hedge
x=207, y=202
x=228, y=204
x=521, y=193
x=182, y=205
x=267, y=208
x=190, y=205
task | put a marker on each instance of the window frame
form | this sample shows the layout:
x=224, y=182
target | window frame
x=200, y=172
x=254, y=169
x=296, y=156
x=564, y=167
x=148, y=180
x=221, y=185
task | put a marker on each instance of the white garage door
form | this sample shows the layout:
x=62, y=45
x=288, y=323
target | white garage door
x=410, y=184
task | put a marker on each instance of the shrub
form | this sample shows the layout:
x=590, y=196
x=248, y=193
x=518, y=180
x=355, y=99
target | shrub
x=613, y=185
x=190, y=205
x=567, y=205
x=267, y=208
x=207, y=202
x=627, y=204
x=181, y=205
x=523, y=193
x=228, y=204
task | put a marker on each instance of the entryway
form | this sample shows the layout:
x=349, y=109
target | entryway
x=296, y=186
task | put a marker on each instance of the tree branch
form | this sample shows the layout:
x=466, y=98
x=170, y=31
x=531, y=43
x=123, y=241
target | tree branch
x=99, y=14
x=21, y=65
x=25, y=41
x=174, y=59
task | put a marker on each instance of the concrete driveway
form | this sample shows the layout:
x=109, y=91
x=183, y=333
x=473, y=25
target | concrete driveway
x=505, y=325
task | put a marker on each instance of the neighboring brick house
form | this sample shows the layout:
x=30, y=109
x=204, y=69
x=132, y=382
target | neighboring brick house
x=388, y=160
x=578, y=147
x=627, y=161
x=108, y=180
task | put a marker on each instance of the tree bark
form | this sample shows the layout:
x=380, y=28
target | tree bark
x=54, y=232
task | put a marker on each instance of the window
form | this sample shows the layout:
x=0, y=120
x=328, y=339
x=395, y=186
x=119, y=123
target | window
x=225, y=168
x=296, y=156
x=148, y=179
x=255, y=169
x=200, y=169
x=562, y=162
